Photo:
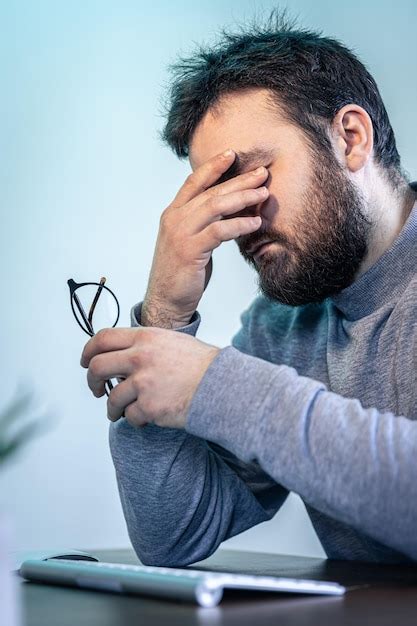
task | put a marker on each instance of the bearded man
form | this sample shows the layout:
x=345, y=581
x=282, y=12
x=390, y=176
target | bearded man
x=293, y=157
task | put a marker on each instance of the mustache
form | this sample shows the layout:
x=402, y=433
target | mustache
x=252, y=240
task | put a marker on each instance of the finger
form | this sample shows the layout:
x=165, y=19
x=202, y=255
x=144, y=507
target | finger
x=107, y=340
x=248, y=180
x=105, y=366
x=217, y=207
x=120, y=397
x=134, y=415
x=203, y=177
x=226, y=230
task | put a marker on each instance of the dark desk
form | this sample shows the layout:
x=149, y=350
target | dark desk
x=390, y=601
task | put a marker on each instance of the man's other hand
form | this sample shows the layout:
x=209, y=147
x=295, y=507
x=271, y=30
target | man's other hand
x=161, y=370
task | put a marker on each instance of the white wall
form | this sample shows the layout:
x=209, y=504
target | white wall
x=83, y=179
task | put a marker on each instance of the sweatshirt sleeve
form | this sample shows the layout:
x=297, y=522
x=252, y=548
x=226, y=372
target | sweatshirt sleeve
x=355, y=464
x=182, y=496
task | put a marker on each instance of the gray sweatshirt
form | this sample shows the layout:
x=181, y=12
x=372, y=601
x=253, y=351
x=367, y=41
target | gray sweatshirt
x=320, y=400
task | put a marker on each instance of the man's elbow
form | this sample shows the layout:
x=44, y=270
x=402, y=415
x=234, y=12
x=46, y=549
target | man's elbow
x=173, y=555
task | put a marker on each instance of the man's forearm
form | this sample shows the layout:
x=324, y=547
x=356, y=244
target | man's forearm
x=354, y=464
x=179, y=498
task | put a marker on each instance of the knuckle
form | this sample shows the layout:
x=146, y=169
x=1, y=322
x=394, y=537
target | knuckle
x=219, y=161
x=94, y=367
x=245, y=195
x=154, y=406
x=212, y=202
x=131, y=411
x=141, y=358
x=163, y=216
x=145, y=336
x=241, y=226
x=147, y=356
x=144, y=384
x=189, y=181
x=217, y=230
x=102, y=337
x=164, y=219
x=136, y=359
x=138, y=384
x=147, y=406
x=215, y=192
x=248, y=196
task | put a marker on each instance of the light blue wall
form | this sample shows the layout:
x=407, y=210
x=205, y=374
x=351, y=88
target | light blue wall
x=83, y=180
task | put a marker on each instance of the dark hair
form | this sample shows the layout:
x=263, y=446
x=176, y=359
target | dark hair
x=310, y=78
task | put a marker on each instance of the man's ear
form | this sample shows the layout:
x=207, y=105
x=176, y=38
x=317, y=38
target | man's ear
x=353, y=135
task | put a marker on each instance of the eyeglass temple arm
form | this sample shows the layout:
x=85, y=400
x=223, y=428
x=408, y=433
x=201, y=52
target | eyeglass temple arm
x=82, y=313
x=94, y=303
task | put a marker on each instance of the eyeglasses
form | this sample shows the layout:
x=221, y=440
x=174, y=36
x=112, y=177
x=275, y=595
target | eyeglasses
x=102, y=306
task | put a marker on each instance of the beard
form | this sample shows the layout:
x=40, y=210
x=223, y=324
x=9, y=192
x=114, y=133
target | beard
x=329, y=243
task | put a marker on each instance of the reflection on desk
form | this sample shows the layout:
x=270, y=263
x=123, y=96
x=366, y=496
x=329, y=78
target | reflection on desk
x=390, y=599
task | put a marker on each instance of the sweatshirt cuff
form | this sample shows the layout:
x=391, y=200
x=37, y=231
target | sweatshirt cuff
x=189, y=329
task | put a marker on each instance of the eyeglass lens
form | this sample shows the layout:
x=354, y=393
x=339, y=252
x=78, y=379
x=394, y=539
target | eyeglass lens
x=100, y=304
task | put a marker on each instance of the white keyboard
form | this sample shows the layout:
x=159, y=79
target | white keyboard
x=190, y=585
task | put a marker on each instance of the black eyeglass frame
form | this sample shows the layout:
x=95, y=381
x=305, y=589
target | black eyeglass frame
x=73, y=286
x=88, y=329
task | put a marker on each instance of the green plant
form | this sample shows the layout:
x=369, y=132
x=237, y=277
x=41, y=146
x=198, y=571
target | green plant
x=15, y=429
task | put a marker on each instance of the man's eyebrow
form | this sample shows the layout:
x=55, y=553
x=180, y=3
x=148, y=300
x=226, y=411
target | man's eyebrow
x=243, y=160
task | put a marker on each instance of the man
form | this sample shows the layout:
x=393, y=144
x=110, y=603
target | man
x=317, y=394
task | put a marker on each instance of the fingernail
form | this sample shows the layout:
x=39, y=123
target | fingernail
x=259, y=170
x=228, y=153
